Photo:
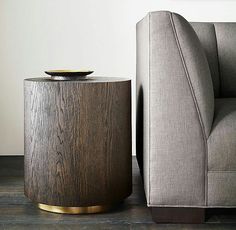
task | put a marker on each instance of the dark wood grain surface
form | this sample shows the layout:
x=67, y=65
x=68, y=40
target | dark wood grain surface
x=178, y=215
x=17, y=212
x=77, y=142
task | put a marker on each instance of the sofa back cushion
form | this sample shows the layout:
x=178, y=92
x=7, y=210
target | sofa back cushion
x=219, y=43
x=226, y=44
x=207, y=37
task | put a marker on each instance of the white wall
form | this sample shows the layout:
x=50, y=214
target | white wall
x=36, y=35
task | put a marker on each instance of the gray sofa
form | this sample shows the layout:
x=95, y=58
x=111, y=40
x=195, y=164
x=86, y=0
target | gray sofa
x=186, y=115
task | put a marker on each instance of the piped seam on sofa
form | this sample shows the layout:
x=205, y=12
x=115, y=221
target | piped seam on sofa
x=190, y=206
x=222, y=171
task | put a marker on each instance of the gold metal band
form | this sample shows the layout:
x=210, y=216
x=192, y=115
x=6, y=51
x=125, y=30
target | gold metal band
x=74, y=210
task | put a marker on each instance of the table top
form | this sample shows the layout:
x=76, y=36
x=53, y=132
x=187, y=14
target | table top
x=92, y=79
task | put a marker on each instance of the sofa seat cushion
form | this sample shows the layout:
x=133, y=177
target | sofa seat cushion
x=221, y=189
x=222, y=139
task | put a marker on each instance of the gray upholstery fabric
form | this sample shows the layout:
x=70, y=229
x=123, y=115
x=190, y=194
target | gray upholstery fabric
x=222, y=140
x=206, y=34
x=216, y=39
x=222, y=189
x=226, y=34
x=180, y=110
x=196, y=69
x=189, y=159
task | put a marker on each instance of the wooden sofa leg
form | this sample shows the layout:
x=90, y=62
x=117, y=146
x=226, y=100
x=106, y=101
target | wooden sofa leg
x=178, y=215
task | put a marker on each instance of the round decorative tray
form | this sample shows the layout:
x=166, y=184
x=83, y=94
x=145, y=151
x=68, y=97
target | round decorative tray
x=68, y=74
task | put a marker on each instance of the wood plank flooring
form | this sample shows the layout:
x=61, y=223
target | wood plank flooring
x=17, y=212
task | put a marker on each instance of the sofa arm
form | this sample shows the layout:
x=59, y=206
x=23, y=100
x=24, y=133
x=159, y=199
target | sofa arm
x=174, y=82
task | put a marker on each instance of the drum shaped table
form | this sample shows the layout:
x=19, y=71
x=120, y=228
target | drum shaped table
x=77, y=143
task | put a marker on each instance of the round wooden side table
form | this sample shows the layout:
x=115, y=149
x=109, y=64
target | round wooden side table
x=77, y=143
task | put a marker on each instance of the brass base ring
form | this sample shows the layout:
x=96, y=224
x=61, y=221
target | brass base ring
x=74, y=210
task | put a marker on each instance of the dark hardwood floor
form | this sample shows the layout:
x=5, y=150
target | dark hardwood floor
x=17, y=212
